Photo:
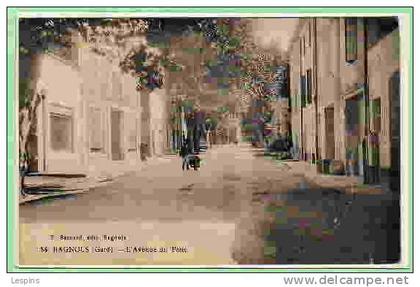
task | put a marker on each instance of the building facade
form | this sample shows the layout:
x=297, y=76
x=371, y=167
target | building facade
x=301, y=57
x=160, y=128
x=341, y=109
x=92, y=119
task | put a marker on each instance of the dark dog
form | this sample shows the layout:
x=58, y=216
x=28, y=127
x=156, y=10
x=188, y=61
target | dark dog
x=193, y=161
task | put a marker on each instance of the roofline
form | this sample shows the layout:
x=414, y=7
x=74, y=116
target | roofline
x=296, y=32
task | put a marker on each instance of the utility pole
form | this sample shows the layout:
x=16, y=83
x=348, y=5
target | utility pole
x=315, y=79
x=365, y=149
x=301, y=99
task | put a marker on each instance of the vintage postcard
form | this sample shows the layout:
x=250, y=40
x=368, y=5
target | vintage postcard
x=210, y=139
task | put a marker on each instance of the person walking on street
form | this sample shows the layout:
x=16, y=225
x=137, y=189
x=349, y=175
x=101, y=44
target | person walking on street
x=184, y=154
x=143, y=151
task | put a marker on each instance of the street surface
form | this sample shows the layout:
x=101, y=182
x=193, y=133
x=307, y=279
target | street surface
x=240, y=207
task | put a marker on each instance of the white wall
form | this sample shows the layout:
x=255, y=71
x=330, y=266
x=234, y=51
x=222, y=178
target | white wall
x=61, y=83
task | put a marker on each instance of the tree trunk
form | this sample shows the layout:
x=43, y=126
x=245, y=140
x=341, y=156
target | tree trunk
x=29, y=100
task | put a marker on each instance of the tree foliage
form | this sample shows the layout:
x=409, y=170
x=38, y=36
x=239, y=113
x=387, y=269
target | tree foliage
x=121, y=39
x=251, y=68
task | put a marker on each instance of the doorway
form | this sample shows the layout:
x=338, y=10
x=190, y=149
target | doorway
x=353, y=130
x=116, y=132
x=394, y=120
x=329, y=133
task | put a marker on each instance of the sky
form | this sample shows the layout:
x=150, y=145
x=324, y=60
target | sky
x=274, y=32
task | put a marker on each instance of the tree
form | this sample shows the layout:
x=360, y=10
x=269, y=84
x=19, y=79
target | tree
x=249, y=72
x=246, y=66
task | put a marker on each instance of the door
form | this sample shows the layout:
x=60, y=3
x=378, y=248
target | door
x=393, y=213
x=394, y=120
x=329, y=133
x=354, y=149
x=376, y=118
x=116, y=132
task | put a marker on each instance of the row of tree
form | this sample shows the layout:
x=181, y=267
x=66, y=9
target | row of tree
x=252, y=72
x=227, y=53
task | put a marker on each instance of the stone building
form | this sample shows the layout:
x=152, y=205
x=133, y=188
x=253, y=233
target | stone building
x=92, y=119
x=344, y=78
x=301, y=57
x=160, y=129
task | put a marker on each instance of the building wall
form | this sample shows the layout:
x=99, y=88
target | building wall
x=335, y=81
x=59, y=82
x=351, y=73
x=383, y=63
x=113, y=94
x=328, y=80
x=309, y=133
x=353, y=87
x=340, y=83
x=307, y=62
x=105, y=113
x=303, y=122
x=295, y=99
x=159, y=122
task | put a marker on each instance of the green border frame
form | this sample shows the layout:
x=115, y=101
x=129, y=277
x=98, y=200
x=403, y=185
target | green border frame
x=11, y=203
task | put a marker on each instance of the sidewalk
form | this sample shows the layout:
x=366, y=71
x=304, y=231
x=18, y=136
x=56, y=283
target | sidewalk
x=349, y=184
x=55, y=185
x=50, y=185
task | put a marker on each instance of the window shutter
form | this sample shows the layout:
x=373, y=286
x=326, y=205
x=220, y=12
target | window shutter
x=351, y=39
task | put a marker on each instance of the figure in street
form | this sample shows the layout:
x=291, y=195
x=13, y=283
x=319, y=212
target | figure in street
x=143, y=151
x=183, y=152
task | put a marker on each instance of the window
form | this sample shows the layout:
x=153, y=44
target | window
x=309, y=86
x=351, y=39
x=132, y=128
x=301, y=48
x=310, y=34
x=61, y=132
x=303, y=90
x=96, y=130
x=116, y=85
